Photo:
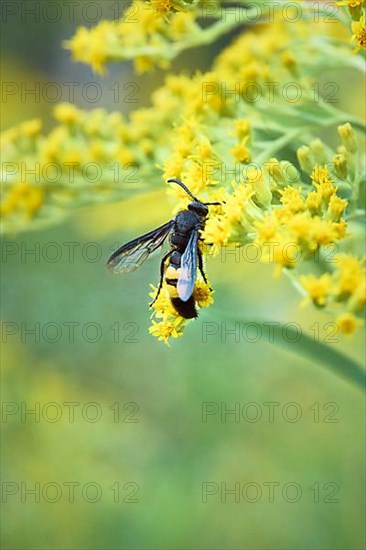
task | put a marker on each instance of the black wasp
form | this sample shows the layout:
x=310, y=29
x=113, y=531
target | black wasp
x=184, y=256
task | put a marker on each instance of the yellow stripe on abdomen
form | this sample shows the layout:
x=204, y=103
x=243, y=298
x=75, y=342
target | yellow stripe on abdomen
x=172, y=273
x=171, y=279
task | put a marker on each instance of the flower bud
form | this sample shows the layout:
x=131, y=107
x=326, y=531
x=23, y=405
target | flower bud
x=261, y=186
x=290, y=174
x=348, y=137
x=340, y=166
x=305, y=158
x=319, y=153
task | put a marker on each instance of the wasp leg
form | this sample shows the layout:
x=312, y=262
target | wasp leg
x=162, y=270
x=200, y=267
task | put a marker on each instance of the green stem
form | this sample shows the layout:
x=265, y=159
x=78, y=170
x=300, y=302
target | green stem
x=305, y=346
x=278, y=144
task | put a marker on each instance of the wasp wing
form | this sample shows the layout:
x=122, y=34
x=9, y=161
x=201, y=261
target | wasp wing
x=131, y=255
x=188, y=268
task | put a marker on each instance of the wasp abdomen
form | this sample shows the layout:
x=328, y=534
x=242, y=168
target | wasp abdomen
x=185, y=309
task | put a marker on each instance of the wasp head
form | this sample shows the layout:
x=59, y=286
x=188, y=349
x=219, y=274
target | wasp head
x=199, y=208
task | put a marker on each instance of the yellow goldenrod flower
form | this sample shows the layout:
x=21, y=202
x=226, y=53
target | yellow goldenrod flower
x=336, y=207
x=323, y=182
x=23, y=199
x=125, y=156
x=313, y=202
x=161, y=6
x=143, y=64
x=241, y=152
x=93, y=45
x=322, y=233
x=31, y=128
x=267, y=228
x=182, y=24
x=203, y=294
x=162, y=305
x=233, y=205
x=318, y=288
x=173, y=167
x=204, y=150
x=359, y=34
x=242, y=128
x=292, y=199
x=217, y=231
x=348, y=323
x=350, y=274
x=351, y=3
x=300, y=226
x=66, y=113
x=164, y=330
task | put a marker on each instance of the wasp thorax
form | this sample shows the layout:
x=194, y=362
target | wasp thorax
x=198, y=207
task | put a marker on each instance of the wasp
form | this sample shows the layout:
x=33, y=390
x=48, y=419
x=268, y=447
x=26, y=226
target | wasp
x=179, y=265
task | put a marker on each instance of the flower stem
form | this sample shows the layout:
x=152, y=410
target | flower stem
x=305, y=346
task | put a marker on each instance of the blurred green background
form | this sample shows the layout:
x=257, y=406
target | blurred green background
x=149, y=438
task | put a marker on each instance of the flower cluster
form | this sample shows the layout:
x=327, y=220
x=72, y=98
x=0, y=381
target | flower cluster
x=88, y=157
x=343, y=292
x=152, y=33
x=95, y=156
x=304, y=221
x=291, y=224
x=235, y=135
x=149, y=33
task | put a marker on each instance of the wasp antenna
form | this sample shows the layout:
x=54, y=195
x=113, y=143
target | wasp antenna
x=181, y=184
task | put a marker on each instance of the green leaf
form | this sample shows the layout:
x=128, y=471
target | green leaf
x=305, y=346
